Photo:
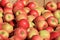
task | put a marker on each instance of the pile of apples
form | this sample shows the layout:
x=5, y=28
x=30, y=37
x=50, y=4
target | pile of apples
x=24, y=20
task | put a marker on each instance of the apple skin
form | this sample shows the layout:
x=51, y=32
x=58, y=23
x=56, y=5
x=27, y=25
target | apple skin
x=31, y=5
x=58, y=5
x=46, y=15
x=4, y=33
x=44, y=34
x=8, y=17
x=1, y=20
x=36, y=37
x=58, y=38
x=11, y=23
x=31, y=32
x=40, y=25
x=20, y=17
x=51, y=6
x=1, y=37
x=50, y=29
x=39, y=18
x=7, y=27
x=20, y=32
x=54, y=34
x=57, y=14
x=1, y=12
x=3, y=2
x=52, y=21
x=34, y=13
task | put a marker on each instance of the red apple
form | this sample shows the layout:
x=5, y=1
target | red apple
x=7, y=27
x=4, y=33
x=36, y=37
x=1, y=37
x=44, y=34
x=9, y=5
x=54, y=34
x=50, y=29
x=8, y=17
x=51, y=6
x=37, y=19
x=31, y=5
x=1, y=20
x=58, y=5
x=34, y=13
x=46, y=15
x=0, y=26
x=21, y=16
x=8, y=10
x=1, y=12
x=58, y=38
x=52, y=21
x=11, y=23
x=20, y=32
x=23, y=23
x=31, y=32
x=42, y=24
x=3, y=2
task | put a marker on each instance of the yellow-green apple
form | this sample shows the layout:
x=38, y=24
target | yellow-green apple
x=1, y=12
x=45, y=11
x=52, y=21
x=42, y=24
x=44, y=34
x=30, y=18
x=54, y=34
x=7, y=27
x=36, y=37
x=4, y=33
x=8, y=17
x=23, y=23
x=27, y=10
x=39, y=9
x=51, y=6
x=46, y=15
x=9, y=5
x=50, y=29
x=32, y=32
x=39, y=18
x=20, y=32
x=57, y=14
x=34, y=13
x=8, y=10
x=3, y=2
x=57, y=38
x=58, y=5
x=21, y=16
x=31, y=5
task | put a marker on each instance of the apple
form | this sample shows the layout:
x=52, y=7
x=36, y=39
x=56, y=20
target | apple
x=21, y=16
x=54, y=34
x=8, y=17
x=8, y=10
x=20, y=32
x=46, y=15
x=4, y=33
x=36, y=37
x=40, y=9
x=58, y=38
x=7, y=27
x=3, y=2
x=57, y=14
x=31, y=32
x=1, y=37
x=31, y=5
x=58, y=5
x=1, y=20
x=39, y=18
x=27, y=10
x=44, y=34
x=9, y=5
x=52, y=21
x=51, y=6
x=42, y=24
x=30, y=18
x=0, y=26
x=23, y=23
x=1, y=12
x=34, y=13
x=11, y=23
x=50, y=29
